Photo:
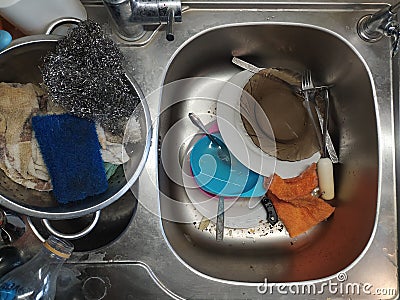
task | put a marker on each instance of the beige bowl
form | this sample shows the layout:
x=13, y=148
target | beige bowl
x=280, y=106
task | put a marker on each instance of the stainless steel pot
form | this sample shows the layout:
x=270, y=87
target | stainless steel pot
x=20, y=62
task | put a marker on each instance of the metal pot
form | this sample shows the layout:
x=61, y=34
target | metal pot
x=20, y=63
x=111, y=225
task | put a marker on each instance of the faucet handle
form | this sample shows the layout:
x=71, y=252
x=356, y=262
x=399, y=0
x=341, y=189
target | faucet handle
x=393, y=31
x=395, y=44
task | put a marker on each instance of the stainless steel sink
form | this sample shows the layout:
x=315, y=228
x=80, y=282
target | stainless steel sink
x=357, y=246
x=249, y=257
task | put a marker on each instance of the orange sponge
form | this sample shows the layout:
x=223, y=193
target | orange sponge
x=294, y=204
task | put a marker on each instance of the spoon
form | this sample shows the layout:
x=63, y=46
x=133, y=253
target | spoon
x=213, y=176
x=224, y=180
x=223, y=152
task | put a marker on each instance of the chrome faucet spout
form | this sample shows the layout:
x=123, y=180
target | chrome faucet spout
x=130, y=15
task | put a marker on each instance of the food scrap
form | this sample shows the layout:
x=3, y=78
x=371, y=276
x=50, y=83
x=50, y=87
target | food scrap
x=294, y=204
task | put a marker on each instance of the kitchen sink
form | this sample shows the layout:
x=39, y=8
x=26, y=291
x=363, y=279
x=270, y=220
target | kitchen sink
x=159, y=239
x=192, y=82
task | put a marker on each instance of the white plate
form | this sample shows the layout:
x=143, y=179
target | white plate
x=239, y=212
x=240, y=143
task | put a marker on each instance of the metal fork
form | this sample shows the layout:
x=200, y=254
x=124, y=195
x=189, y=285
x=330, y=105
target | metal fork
x=324, y=127
x=308, y=88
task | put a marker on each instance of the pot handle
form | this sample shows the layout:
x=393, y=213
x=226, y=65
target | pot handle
x=72, y=236
x=62, y=21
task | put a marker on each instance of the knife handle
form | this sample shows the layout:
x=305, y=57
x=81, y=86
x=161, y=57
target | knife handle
x=272, y=216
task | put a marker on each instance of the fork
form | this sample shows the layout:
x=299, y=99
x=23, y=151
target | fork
x=324, y=165
x=323, y=122
x=307, y=87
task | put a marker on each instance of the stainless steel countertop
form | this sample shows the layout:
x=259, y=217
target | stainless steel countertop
x=141, y=264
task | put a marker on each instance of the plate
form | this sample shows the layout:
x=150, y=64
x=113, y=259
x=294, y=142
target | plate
x=220, y=177
x=239, y=212
x=240, y=143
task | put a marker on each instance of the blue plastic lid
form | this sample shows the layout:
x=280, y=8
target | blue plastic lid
x=219, y=177
x=5, y=39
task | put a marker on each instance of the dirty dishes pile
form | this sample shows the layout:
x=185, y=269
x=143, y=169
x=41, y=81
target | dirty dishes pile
x=238, y=140
x=240, y=211
x=243, y=123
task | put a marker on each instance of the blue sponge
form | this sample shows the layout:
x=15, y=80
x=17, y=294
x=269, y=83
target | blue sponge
x=71, y=152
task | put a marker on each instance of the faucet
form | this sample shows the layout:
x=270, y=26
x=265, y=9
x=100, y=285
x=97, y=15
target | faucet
x=371, y=28
x=130, y=15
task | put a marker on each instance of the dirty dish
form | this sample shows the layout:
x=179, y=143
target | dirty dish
x=270, y=99
x=239, y=212
x=217, y=177
x=223, y=152
x=241, y=144
x=219, y=173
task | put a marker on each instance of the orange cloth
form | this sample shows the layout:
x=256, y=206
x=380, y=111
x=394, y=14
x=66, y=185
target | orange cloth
x=296, y=207
x=292, y=188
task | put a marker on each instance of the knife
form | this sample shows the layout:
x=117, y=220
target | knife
x=272, y=216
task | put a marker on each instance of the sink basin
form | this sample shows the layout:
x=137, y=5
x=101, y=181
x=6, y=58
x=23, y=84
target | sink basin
x=112, y=224
x=194, y=76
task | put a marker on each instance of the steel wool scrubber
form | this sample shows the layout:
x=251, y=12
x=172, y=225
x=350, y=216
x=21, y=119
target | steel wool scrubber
x=85, y=75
